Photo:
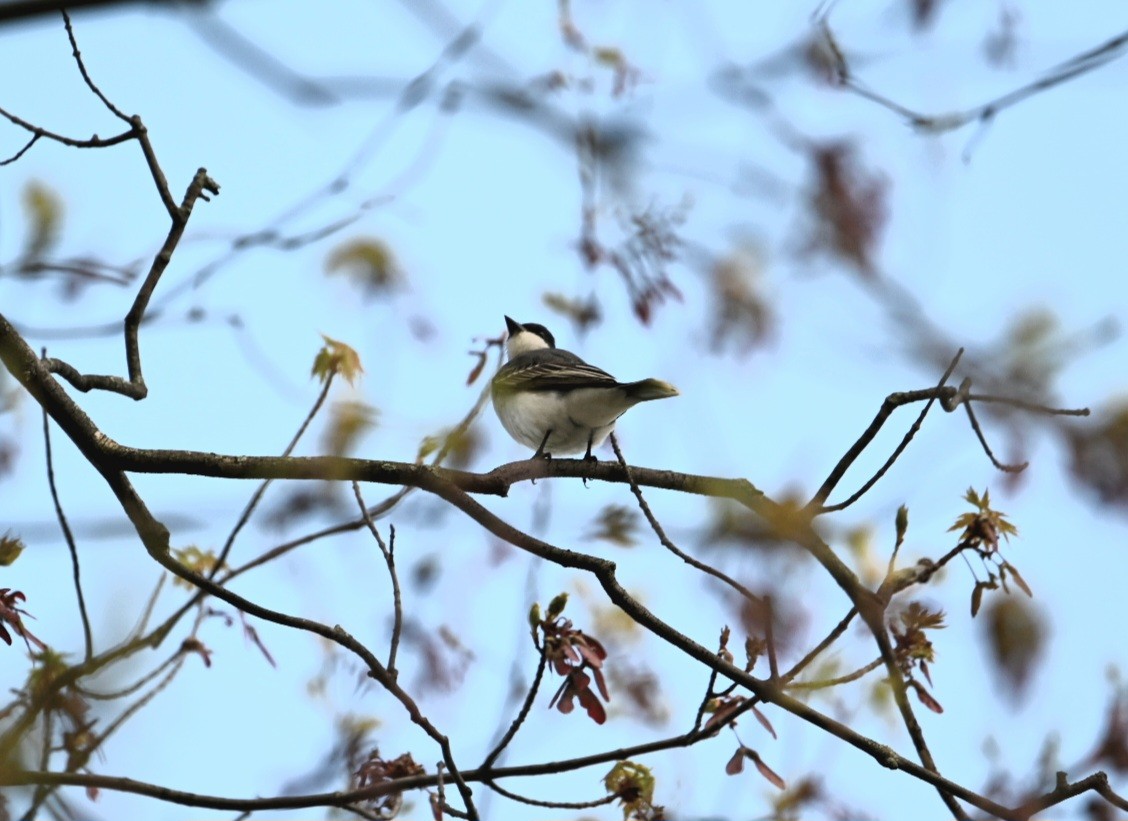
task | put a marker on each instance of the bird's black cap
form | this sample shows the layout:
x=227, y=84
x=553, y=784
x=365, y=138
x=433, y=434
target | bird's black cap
x=516, y=327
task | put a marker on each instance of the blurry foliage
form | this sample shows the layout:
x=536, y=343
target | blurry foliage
x=1099, y=451
x=849, y=204
x=797, y=801
x=301, y=501
x=198, y=561
x=1000, y=46
x=641, y=690
x=787, y=614
x=458, y=446
x=443, y=658
x=617, y=524
x=1033, y=352
x=924, y=13
x=369, y=264
x=348, y=422
x=350, y=749
x=868, y=563
x=1112, y=746
x=8, y=453
x=741, y=314
x=43, y=208
x=734, y=525
x=1015, y=633
x=583, y=313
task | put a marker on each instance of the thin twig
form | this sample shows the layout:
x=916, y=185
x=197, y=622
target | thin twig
x=27, y=147
x=843, y=679
x=891, y=403
x=705, y=699
x=656, y=526
x=384, y=507
x=769, y=637
x=1022, y=404
x=82, y=69
x=939, y=123
x=388, y=551
x=1006, y=468
x=68, y=536
x=42, y=791
x=134, y=387
x=556, y=805
x=130, y=689
x=522, y=714
x=256, y=497
x=818, y=649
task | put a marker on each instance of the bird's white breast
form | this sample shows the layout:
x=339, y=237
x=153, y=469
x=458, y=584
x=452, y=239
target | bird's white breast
x=572, y=418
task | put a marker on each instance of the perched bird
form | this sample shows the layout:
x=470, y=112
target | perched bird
x=553, y=401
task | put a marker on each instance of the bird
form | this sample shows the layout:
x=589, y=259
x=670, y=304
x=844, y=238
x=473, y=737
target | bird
x=551, y=400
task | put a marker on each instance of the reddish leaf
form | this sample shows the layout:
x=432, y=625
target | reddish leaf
x=592, y=655
x=196, y=646
x=767, y=725
x=1021, y=582
x=766, y=771
x=476, y=371
x=11, y=612
x=565, y=704
x=924, y=669
x=593, y=706
x=723, y=710
x=253, y=635
x=601, y=683
x=926, y=698
x=642, y=310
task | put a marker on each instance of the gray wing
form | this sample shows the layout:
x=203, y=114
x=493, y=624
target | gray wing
x=550, y=370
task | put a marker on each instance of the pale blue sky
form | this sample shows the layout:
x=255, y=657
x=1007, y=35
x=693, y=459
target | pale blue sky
x=482, y=228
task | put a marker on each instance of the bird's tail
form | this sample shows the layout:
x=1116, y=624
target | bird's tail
x=647, y=389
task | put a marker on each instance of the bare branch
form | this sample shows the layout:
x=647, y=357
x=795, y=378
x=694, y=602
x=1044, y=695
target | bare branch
x=522, y=714
x=390, y=560
x=68, y=536
x=891, y=403
x=1082, y=63
x=656, y=526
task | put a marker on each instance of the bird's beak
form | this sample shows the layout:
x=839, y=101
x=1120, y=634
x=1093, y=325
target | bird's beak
x=513, y=326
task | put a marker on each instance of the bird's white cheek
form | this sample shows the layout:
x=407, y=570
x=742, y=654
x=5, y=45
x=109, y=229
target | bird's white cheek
x=523, y=343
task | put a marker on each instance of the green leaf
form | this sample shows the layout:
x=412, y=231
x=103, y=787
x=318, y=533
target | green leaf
x=902, y=523
x=556, y=606
x=633, y=785
x=336, y=357
x=10, y=549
